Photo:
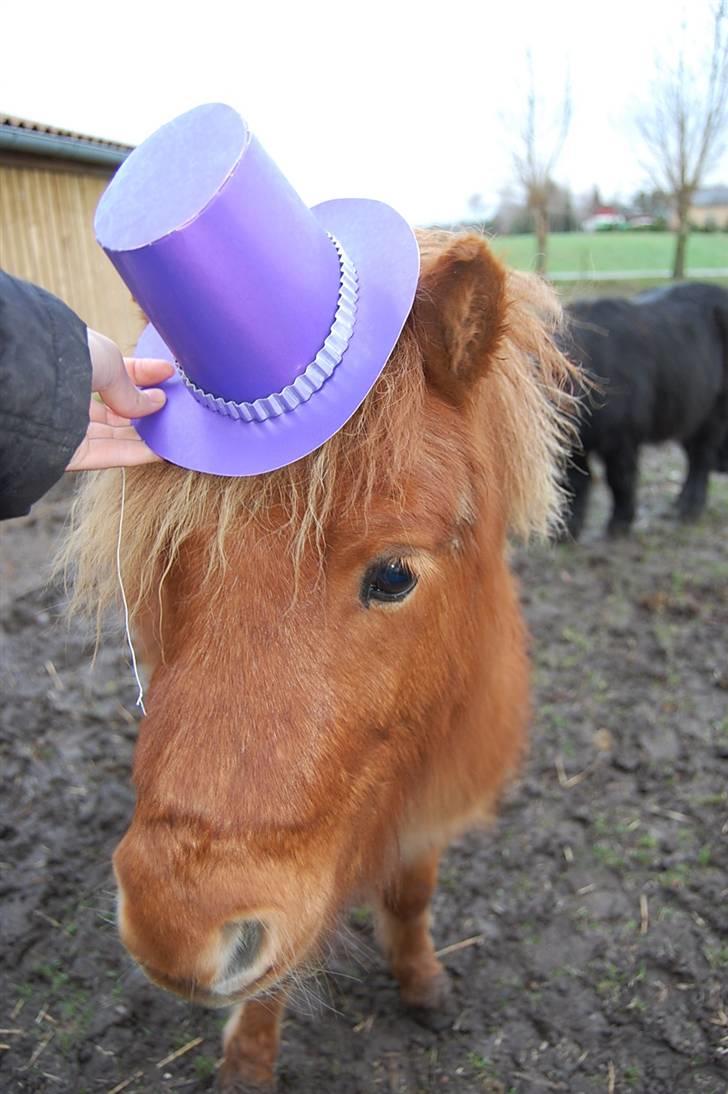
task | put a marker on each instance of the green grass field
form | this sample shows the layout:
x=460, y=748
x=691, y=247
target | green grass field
x=589, y=254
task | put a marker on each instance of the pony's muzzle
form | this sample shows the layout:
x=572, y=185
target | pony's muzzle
x=231, y=959
x=184, y=941
x=212, y=930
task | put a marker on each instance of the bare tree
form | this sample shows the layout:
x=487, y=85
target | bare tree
x=542, y=139
x=685, y=128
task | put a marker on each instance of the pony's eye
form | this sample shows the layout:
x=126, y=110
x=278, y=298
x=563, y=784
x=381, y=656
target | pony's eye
x=388, y=580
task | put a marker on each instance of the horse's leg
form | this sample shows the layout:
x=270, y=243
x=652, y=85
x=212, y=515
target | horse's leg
x=721, y=454
x=250, y=1042
x=578, y=486
x=702, y=451
x=621, y=468
x=403, y=927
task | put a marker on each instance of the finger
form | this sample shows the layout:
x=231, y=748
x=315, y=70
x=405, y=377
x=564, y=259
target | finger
x=112, y=381
x=148, y=371
x=108, y=454
x=100, y=412
x=151, y=399
x=102, y=431
x=104, y=452
x=127, y=401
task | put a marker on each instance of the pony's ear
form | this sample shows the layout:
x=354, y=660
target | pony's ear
x=459, y=314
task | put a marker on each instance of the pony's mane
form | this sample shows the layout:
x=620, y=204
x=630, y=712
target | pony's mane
x=523, y=404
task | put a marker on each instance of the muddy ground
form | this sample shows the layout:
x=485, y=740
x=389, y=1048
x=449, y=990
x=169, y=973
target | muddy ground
x=592, y=922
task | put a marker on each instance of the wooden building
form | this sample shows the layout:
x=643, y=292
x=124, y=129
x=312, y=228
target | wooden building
x=50, y=183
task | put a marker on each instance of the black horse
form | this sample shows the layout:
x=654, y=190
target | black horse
x=721, y=464
x=660, y=360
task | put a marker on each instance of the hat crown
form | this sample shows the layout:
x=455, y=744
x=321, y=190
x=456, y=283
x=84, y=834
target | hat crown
x=234, y=271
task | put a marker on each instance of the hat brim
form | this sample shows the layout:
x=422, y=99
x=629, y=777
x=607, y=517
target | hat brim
x=384, y=250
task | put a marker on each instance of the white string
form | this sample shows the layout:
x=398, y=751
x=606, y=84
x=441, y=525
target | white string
x=140, y=696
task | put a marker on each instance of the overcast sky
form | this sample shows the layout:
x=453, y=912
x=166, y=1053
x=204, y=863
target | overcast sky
x=414, y=103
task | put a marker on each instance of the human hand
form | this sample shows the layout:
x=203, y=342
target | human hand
x=111, y=440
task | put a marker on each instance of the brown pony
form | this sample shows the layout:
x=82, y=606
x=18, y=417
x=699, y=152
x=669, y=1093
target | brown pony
x=339, y=678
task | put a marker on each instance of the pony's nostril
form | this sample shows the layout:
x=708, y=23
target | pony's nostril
x=244, y=939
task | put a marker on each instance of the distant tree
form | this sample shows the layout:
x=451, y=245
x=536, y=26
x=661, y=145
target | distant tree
x=542, y=139
x=476, y=205
x=651, y=203
x=561, y=214
x=511, y=217
x=684, y=129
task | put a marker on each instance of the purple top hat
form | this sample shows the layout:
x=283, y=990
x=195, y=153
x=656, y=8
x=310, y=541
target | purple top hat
x=279, y=318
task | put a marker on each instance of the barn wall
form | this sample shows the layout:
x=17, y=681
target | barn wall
x=46, y=236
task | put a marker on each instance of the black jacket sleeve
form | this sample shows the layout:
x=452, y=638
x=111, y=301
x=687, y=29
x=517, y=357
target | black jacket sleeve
x=45, y=387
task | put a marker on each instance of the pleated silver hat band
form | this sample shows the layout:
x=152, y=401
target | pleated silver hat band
x=314, y=376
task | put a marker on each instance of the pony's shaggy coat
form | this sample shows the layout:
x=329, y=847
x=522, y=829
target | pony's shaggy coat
x=304, y=744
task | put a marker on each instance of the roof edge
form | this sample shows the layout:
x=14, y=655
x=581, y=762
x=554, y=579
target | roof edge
x=20, y=139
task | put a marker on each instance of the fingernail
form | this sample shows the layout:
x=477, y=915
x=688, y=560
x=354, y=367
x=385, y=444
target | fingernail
x=156, y=397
